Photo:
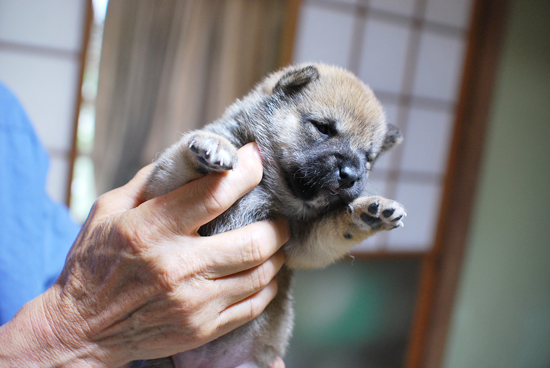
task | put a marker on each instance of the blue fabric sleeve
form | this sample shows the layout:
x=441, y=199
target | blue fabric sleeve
x=35, y=232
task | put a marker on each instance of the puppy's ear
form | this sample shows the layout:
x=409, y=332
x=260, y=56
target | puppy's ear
x=393, y=137
x=295, y=80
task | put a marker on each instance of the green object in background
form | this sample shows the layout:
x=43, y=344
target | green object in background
x=341, y=305
x=353, y=314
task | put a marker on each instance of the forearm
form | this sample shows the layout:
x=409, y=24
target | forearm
x=30, y=340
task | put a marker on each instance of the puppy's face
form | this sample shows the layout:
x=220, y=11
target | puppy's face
x=330, y=131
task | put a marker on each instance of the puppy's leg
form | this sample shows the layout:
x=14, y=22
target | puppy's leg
x=331, y=237
x=197, y=153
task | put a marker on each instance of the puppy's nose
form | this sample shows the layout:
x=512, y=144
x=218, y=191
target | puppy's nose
x=348, y=175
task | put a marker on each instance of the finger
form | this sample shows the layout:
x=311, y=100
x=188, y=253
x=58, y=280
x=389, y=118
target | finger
x=246, y=310
x=278, y=363
x=241, y=249
x=126, y=197
x=136, y=187
x=237, y=287
x=187, y=208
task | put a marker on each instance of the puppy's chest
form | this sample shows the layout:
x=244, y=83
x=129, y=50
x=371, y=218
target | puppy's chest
x=254, y=206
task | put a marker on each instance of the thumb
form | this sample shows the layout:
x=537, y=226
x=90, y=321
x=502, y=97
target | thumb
x=278, y=363
x=128, y=196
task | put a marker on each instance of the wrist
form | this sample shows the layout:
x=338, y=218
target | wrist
x=38, y=336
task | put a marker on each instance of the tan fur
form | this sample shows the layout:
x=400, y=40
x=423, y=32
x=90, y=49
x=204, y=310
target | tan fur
x=319, y=130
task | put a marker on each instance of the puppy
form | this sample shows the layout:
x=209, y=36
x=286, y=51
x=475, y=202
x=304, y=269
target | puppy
x=319, y=130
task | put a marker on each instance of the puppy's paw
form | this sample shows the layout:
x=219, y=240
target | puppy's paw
x=213, y=152
x=377, y=213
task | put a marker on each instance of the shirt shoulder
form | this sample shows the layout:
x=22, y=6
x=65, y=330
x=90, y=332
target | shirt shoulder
x=12, y=114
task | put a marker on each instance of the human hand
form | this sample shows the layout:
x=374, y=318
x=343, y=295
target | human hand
x=139, y=283
x=278, y=363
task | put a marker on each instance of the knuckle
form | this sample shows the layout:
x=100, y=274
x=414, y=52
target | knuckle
x=198, y=323
x=100, y=204
x=220, y=322
x=260, y=277
x=208, y=330
x=134, y=239
x=178, y=279
x=214, y=202
x=200, y=333
x=187, y=323
x=255, y=280
x=252, y=250
x=254, y=308
x=141, y=250
x=168, y=278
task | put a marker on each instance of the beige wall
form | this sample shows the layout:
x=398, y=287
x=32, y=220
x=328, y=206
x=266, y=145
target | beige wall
x=502, y=314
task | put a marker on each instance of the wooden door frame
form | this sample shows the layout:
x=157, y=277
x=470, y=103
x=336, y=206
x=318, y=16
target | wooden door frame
x=85, y=41
x=441, y=267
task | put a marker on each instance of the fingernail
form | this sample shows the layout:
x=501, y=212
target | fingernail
x=250, y=154
x=256, y=151
x=285, y=227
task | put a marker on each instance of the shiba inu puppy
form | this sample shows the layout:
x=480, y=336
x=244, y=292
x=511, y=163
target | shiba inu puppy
x=319, y=130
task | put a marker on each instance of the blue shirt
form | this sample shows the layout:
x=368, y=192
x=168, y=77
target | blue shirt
x=35, y=232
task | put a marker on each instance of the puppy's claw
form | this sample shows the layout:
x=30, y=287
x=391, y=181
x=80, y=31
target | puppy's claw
x=398, y=218
x=193, y=147
x=213, y=152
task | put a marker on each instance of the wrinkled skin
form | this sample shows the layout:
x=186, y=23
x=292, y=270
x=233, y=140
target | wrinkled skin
x=139, y=283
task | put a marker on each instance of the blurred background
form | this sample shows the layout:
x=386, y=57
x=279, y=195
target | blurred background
x=466, y=283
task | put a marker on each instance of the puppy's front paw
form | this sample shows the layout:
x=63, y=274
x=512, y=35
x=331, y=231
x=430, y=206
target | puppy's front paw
x=213, y=152
x=377, y=213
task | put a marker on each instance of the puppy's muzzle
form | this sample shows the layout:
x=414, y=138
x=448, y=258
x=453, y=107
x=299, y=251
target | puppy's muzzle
x=348, y=174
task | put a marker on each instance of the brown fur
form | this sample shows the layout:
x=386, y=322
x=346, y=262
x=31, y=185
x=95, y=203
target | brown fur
x=319, y=130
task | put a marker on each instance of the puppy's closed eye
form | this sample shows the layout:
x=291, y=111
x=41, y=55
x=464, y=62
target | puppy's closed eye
x=326, y=130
